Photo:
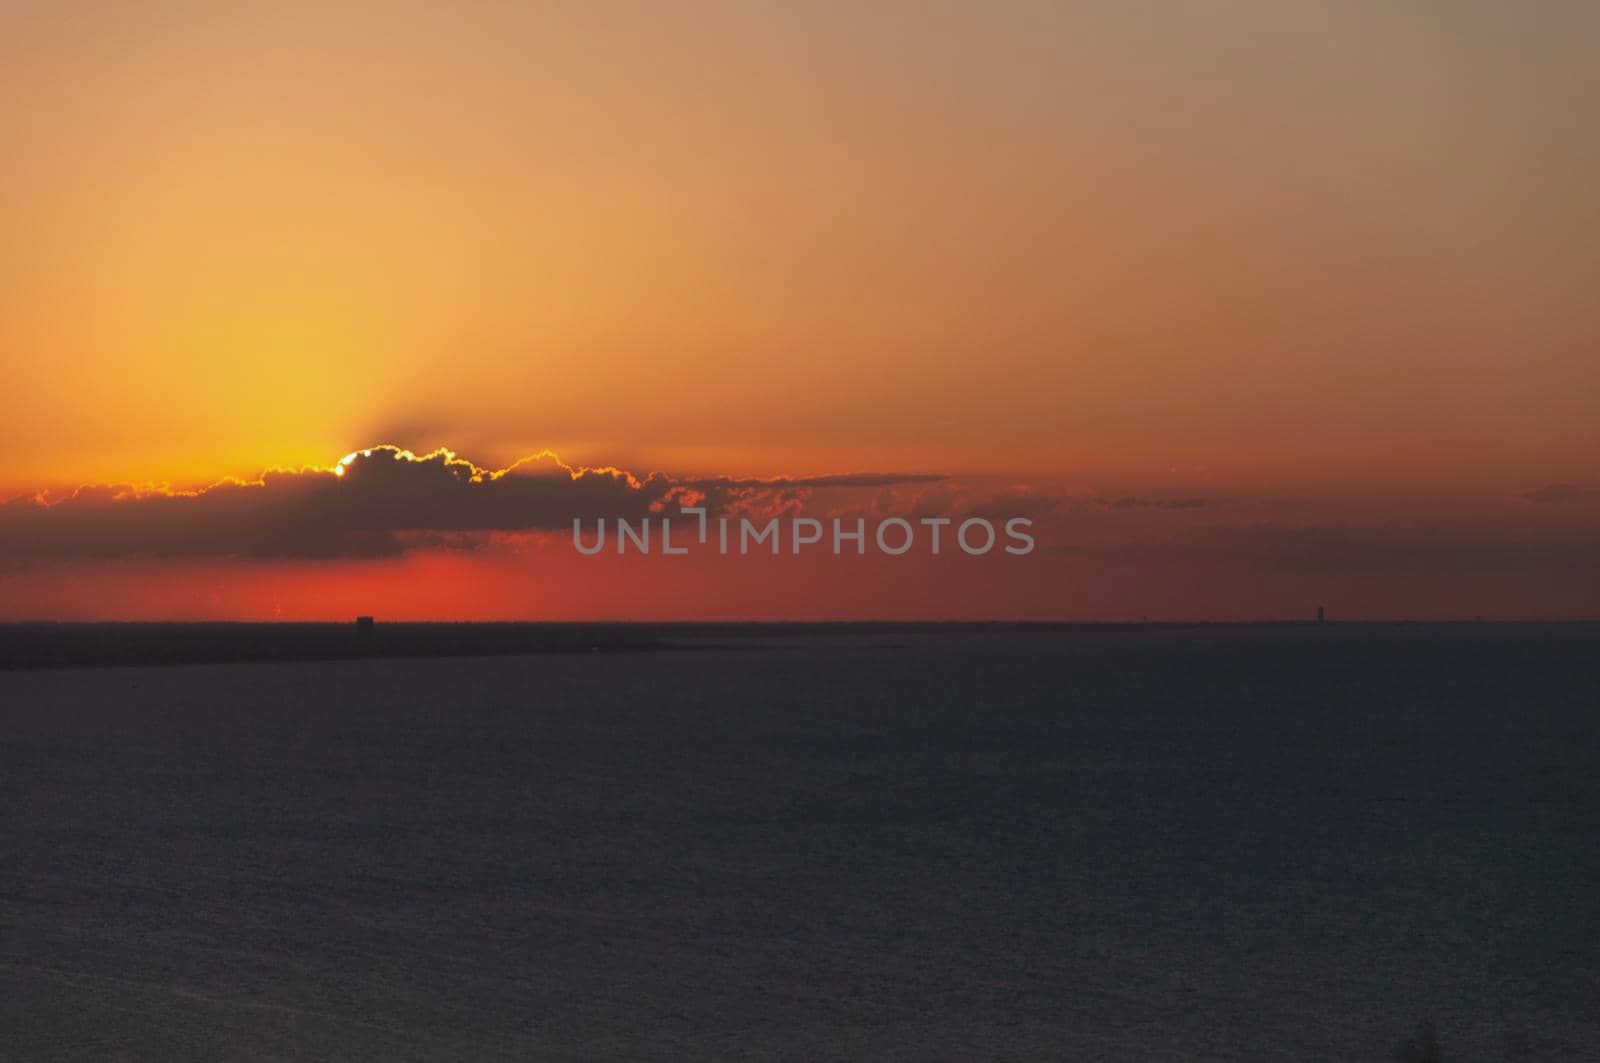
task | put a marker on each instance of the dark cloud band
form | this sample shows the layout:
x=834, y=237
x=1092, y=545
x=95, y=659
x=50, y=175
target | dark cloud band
x=371, y=504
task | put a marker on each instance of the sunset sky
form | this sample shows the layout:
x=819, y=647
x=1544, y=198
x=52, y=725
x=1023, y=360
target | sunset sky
x=1250, y=306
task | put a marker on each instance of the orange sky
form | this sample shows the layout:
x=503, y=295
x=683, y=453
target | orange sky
x=1328, y=267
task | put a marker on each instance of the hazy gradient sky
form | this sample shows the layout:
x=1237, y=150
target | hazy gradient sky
x=1331, y=259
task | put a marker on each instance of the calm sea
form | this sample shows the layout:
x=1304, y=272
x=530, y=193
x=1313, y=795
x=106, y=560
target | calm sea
x=1290, y=843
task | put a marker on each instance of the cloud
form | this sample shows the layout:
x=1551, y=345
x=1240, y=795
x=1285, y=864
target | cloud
x=1022, y=500
x=377, y=502
x=1352, y=548
x=1559, y=494
x=1135, y=502
x=849, y=479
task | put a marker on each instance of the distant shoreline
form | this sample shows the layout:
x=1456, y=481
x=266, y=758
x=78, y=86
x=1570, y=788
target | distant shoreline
x=31, y=646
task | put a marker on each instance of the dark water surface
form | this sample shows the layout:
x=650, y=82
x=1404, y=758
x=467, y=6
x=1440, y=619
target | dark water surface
x=1224, y=843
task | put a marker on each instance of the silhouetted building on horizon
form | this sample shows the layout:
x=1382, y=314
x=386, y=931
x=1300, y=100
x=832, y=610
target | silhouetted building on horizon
x=365, y=625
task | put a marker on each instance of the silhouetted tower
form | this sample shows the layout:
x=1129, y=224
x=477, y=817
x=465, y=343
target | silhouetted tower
x=1320, y=617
